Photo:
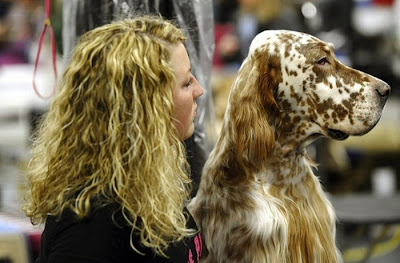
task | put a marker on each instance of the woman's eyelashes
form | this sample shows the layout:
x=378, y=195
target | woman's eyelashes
x=189, y=82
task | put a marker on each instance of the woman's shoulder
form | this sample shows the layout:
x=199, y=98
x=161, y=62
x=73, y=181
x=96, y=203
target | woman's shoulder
x=104, y=237
x=92, y=239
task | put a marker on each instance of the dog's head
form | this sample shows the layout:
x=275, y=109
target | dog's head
x=292, y=88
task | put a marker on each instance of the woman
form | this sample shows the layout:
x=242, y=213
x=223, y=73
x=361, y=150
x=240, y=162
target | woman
x=108, y=172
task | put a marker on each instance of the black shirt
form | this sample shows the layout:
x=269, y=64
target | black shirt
x=98, y=239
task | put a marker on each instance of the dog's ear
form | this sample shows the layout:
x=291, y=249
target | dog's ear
x=255, y=111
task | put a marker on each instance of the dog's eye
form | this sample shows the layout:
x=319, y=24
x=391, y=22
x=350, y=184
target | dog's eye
x=322, y=61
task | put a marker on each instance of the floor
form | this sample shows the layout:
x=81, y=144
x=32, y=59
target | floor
x=355, y=243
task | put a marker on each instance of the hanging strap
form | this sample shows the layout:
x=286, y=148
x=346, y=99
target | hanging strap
x=47, y=24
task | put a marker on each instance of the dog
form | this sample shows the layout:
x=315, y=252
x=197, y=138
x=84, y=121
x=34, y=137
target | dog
x=258, y=199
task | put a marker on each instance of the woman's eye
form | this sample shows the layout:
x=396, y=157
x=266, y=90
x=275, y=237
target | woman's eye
x=323, y=61
x=189, y=82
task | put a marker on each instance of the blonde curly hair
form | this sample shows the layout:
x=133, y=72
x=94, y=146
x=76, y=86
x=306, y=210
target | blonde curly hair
x=109, y=132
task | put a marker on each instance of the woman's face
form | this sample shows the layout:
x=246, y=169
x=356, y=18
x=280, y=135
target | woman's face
x=185, y=93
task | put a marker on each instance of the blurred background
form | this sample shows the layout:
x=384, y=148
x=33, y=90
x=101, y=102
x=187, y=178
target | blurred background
x=361, y=174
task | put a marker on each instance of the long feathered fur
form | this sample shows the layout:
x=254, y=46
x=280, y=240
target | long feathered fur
x=259, y=200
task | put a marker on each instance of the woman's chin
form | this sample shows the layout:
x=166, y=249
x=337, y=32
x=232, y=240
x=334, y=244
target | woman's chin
x=188, y=133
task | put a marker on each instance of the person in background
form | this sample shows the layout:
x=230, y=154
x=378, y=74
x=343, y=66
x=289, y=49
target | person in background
x=14, y=33
x=108, y=173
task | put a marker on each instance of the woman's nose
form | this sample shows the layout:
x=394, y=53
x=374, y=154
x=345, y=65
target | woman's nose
x=198, y=90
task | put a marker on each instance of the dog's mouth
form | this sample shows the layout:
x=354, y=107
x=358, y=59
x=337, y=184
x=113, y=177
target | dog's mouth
x=337, y=135
x=332, y=133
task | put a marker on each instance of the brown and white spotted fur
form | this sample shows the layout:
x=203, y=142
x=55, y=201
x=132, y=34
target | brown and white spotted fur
x=259, y=200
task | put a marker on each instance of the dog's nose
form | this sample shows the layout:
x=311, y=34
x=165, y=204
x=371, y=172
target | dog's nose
x=383, y=90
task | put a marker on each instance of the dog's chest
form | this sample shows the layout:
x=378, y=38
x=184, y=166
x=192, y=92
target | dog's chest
x=297, y=212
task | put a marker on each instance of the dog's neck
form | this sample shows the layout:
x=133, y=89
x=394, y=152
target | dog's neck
x=287, y=165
